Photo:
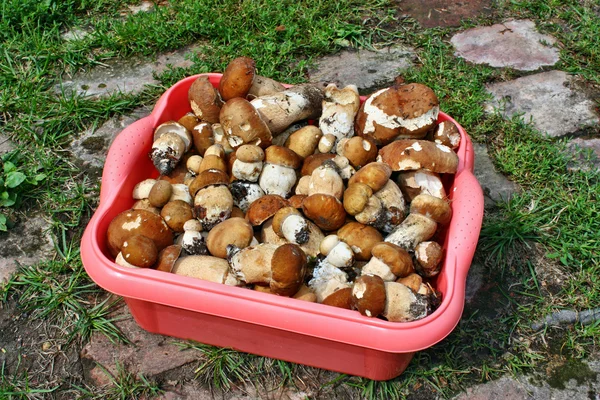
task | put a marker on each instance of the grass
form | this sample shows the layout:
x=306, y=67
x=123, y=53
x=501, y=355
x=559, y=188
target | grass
x=551, y=225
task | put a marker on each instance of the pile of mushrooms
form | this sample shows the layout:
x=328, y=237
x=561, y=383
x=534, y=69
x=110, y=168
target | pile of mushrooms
x=344, y=210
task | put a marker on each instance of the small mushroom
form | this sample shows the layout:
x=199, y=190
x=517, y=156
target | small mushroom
x=167, y=258
x=311, y=247
x=414, y=183
x=203, y=137
x=339, y=110
x=248, y=163
x=406, y=155
x=288, y=268
x=327, y=279
x=361, y=239
x=171, y=141
x=176, y=213
x=314, y=161
x=402, y=305
x=304, y=141
x=416, y=228
x=437, y=209
x=142, y=189
x=389, y=262
x=137, y=222
x=278, y=175
x=368, y=295
x=242, y=124
x=326, y=179
x=359, y=150
x=205, y=100
x=192, y=241
x=245, y=193
x=446, y=133
x=289, y=223
x=252, y=264
x=140, y=251
x=237, y=78
x=264, y=208
x=213, y=204
x=429, y=259
x=324, y=210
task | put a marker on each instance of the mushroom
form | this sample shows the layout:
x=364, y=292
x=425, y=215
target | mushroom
x=435, y=208
x=324, y=210
x=193, y=164
x=314, y=161
x=243, y=125
x=406, y=155
x=171, y=141
x=245, y=193
x=282, y=109
x=263, y=86
x=368, y=295
x=413, y=183
x=359, y=150
x=429, y=258
x=237, y=78
x=264, y=208
x=305, y=294
x=206, y=178
x=289, y=223
x=288, y=268
x=189, y=120
x=192, y=241
x=213, y=204
x=389, y=262
x=233, y=231
x=203, y=137
x=341, y=298
x=413, y=281
x=393, y=204
x=327, y=279
x=176, y=213
x=144, y=204
x=327, y=143
x=278, y=175
x=167, y=258
x=137, y=222
x=337, y=253
x=339, y=110
x=248, y=163
x=446, y=133
x=325, y=179
x=361, y=239
x=252, y=264
x=304, y=141
x=207, y=268
x=142, y=189
x=205, y=100
x=311, y=247
x=140, y=251
x=400, y=111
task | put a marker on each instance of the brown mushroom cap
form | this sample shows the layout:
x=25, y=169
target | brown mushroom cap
x=160, y=193
x=140, y=251
x=413, y=183
x=356, y=197
x=341, y=298
x=437, y=209
x=361, y=238
x=243, y=124
x=249, y=153
x=282, y=156
x=326, y=211
x=176, y=213
x=232, y=231
x=264, y=208
x=413, y=281
x=213, y=161
x=189, y=120
x=395, y=257
x=280, y=216
x=429, y=257
x=206, y=178
x=314, y=161
x=205, y=100
x=368, y=295
x=202, y=135
x=288, y=268
x=137, y=222
x=374, y=174
x=398, y=111
x=297, y=200
x=446, y=133
x=359, y=150
x=237, y=78
x=405, y=155
x=167, y=258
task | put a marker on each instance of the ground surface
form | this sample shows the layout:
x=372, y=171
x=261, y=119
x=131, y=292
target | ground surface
x=521, y=77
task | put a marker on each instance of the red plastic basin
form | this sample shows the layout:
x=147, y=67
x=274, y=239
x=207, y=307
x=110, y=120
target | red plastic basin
x=260, y=323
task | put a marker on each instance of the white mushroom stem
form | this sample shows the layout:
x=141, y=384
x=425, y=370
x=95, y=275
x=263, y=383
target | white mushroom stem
x=327, y=279
x=376, y=266
x=181, y=191
x=277, y=179
x=244, y=193
x=328, y=243
x=192, y=242
x=142, y=189
x=339, y=110
x=246, y=171
x=416, y=228
x=295, y=229
x=252, y=264
x=402, y=305
x=340, y=256
x=394, y=206
x=167, y=151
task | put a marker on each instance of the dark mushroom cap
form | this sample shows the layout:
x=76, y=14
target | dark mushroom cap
x=137, y=222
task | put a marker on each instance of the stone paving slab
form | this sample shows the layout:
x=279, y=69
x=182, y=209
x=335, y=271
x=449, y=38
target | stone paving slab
x=550, y=100
x=580, y=148
x=91, y=148
x=148, y=354
x=6, y=145
x=515, y=44
x=445, y=13
x=125, y=77
x=368, y=70
x=27, y=243
x=496, y=187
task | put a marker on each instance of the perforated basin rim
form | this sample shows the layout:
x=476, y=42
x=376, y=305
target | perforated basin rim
x=128, y=163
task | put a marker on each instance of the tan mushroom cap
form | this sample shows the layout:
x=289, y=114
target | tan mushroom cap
x=375, y=175
x=189, y=120
x=405, y=155
x=446, y=133
x=233, y=231
x=205, y=100
x=243, y=125
x=176, y=213
x=437, y=209
x=202, y=135
x=368, y=295
x=429, y=258
x=237, y=78
x=249, y=153
x=359, y=150
x=413, y=281
x=356, y=197
x=297, y=200
x=282, y=156
x=280, y=216
x=213, y=161
x=304, y=141
x=395, y=257
x=206, y=178
x=326, y=211
x=361, y=239
x=264, y=208
x=288, y=268
x=140, y=251
x=314, y=161
x=413, y=183
x=144, y=204
x=160, y=193
x=167, y=257
x=137, y=222
x=399, y=111
x=341, y=298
